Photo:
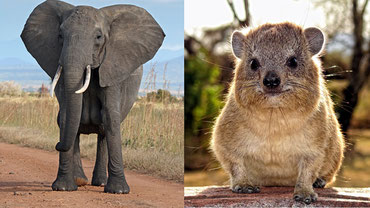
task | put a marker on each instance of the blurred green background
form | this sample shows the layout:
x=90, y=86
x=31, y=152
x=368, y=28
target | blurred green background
x=209, y=70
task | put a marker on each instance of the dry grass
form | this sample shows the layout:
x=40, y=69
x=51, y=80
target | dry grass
x=152, y=134
x=10, y=88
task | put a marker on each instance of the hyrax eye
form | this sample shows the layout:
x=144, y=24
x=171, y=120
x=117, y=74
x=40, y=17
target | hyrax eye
x=254, y=64
x=292, y=62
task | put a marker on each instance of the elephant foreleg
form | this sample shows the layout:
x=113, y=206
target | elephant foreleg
x=78, y=172
x=100, y=169
x=112, y=119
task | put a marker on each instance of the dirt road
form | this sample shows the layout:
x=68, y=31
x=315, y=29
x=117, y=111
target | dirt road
x=26, y=176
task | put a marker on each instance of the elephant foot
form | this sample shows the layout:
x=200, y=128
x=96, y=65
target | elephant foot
x=99, y=180
x=64, y=183
x=117, y=185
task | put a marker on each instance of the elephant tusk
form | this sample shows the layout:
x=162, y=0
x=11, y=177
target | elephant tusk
x=87, y=80
x=55, y=80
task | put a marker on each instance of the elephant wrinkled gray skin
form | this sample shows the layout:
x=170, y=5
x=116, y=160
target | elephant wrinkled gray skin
x=97, y=54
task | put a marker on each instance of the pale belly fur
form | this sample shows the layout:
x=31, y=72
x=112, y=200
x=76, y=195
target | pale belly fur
x=272, y=161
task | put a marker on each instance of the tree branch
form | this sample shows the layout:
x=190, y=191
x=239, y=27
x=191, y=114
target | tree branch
x=231, y=5
x=364, y=8
x=247, y=14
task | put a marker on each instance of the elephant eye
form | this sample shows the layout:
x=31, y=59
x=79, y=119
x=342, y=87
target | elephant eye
x=98, y=37
x=60, y=36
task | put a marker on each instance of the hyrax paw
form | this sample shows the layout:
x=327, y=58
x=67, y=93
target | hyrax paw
x=319, y=183
x=245, y=189
x=305, y=196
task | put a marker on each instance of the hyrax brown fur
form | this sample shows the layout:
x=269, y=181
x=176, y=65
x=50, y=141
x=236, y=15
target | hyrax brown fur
x=278, y=127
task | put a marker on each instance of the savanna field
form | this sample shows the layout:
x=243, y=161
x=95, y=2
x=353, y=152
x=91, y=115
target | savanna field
x=152, y=133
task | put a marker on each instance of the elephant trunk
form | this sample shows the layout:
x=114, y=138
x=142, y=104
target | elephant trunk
x=73, y=80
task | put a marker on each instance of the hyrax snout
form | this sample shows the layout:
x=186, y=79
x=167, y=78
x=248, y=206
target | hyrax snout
x=278, y=126
x=271, y=81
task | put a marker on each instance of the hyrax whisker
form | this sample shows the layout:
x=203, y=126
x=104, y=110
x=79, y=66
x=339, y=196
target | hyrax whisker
x=271, y=111
x=294, y=84
x=282, y=114
x=278, y=70
x=251, y=85
x=215, y=64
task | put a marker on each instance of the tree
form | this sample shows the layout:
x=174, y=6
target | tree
x=160, y=95
x=348, y=16
x=358, y=76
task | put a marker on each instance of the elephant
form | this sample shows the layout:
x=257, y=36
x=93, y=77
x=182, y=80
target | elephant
x=95, y=58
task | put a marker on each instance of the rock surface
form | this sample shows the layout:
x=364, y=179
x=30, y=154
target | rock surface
x=221, y=196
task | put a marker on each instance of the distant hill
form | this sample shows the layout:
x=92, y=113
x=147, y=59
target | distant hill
x=12, y=62
x=165, y=55
x=28, y=75
x=15, y=48
x=173, y=77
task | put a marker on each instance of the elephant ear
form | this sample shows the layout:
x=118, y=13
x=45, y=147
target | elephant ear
x=134, y=38
x=41, y=33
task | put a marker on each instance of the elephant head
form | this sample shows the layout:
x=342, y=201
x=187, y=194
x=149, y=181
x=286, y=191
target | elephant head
x=68, y=42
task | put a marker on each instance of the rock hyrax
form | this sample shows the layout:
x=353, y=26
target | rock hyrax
x=278, y=126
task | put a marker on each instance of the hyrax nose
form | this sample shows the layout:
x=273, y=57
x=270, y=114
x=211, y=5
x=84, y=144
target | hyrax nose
x=271, y=80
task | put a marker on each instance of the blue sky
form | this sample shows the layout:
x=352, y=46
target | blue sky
x=168, y=13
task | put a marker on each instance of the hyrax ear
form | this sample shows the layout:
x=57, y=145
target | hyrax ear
x=134, y=38
x=238, y=44
x=316, y=39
